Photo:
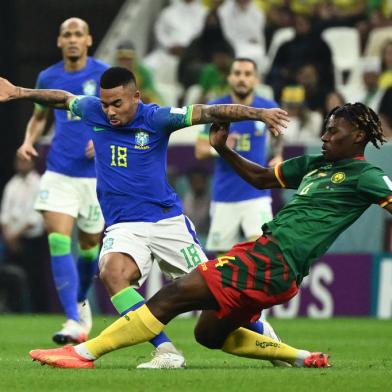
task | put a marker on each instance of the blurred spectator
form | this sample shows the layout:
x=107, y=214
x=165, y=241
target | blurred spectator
x=332, y=100
x=307, y=7
x=315, y=92
x=23, y=230
x=385, y=80
x=213, y=78
x=243, y=25
x=371, y=68
x=304, y=126
x=279, y=16
x=341, y=12
x=385, y=113
x=307, y=47
x=176, y=26
x=126, y=57
x=196, y=201
x=202, y=49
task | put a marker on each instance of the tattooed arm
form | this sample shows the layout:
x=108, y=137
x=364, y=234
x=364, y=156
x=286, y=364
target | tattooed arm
x=255, y=174
x=55, y=98
x=275, y=119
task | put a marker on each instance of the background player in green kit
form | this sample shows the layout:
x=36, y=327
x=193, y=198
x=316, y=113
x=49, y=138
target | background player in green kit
x=333, y=190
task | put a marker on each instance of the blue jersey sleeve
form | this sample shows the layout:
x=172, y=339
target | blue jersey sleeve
x=169, y=118
x=79, y=105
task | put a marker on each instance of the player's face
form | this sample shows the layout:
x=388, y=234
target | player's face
x=120, y=104
x=242, y=78
x=74, y=40
x=341, y=140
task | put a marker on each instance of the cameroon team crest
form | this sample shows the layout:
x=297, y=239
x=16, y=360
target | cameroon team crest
x=338, y=177
x=90, y=87
x=141, y=140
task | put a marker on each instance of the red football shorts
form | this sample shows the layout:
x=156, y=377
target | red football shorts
x=251, y=277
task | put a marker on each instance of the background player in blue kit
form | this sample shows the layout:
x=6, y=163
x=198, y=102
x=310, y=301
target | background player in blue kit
x=236, y=205
x=67, y=192
x=143, y=213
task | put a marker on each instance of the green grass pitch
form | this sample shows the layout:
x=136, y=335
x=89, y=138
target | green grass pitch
x=361, y=354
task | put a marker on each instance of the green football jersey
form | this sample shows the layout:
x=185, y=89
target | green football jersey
x=329, y=198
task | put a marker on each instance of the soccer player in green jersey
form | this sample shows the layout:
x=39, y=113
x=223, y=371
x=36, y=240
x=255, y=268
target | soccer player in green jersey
x=333, y=190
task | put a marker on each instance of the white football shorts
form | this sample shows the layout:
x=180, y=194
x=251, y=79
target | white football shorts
x=171, y=242
x=74, y=196
x=230, y=219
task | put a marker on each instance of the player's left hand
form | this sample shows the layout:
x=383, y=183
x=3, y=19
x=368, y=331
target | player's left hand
x=218, y=134
x=7, y=90
x=276, y=120
x=90, y=152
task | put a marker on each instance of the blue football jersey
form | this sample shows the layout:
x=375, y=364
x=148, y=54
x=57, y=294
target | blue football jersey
x=228, y=186
x=67, y=154
x=131, y=160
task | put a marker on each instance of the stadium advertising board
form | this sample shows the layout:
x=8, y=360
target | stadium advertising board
x=338, y=285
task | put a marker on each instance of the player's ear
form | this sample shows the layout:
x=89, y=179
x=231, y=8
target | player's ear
x=58, y=42
x=360, y=136
x=89, y=40
x=136, y=95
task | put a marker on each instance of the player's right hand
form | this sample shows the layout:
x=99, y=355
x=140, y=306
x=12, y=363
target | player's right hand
x=7, y=90
x=218, y=134
x=27, y=151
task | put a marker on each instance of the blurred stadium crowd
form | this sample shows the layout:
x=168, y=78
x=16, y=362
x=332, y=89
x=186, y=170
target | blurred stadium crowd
x=312, y=55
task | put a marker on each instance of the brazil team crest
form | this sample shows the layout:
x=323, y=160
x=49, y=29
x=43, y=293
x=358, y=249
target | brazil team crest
x=90, y=87
x=141, y=140
x=108, y=243
x=260, y=128
x=338, y=177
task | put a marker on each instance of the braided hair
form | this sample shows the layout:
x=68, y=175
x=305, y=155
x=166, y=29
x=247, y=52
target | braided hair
x=361, y=117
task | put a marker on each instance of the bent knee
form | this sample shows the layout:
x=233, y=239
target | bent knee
x=207, y=339
x=118, y=269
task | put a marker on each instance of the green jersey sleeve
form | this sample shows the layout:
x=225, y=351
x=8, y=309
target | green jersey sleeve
x=376, y=186
x=291, y=172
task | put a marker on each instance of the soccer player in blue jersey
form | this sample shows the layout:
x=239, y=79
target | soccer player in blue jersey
x=143, y=213
x=67, y=191
x=237, y=207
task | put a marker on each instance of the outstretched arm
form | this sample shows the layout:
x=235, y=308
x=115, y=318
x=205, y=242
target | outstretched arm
x=34, y=130
x=55, y=98
x=275, y=119
x=258, y=176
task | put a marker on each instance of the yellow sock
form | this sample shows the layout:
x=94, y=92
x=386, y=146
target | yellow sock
x=135, y=327
x=246, y=343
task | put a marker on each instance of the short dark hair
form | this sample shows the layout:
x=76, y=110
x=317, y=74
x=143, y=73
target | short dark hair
x=361, y=117
x=247, y=59
x=117, y=76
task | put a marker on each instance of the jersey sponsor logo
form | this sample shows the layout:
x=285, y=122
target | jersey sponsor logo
x=141, y=140
x=338, y=177
x=90, y=87
x=178, y=110
x=388, y=182
x=98, y=129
